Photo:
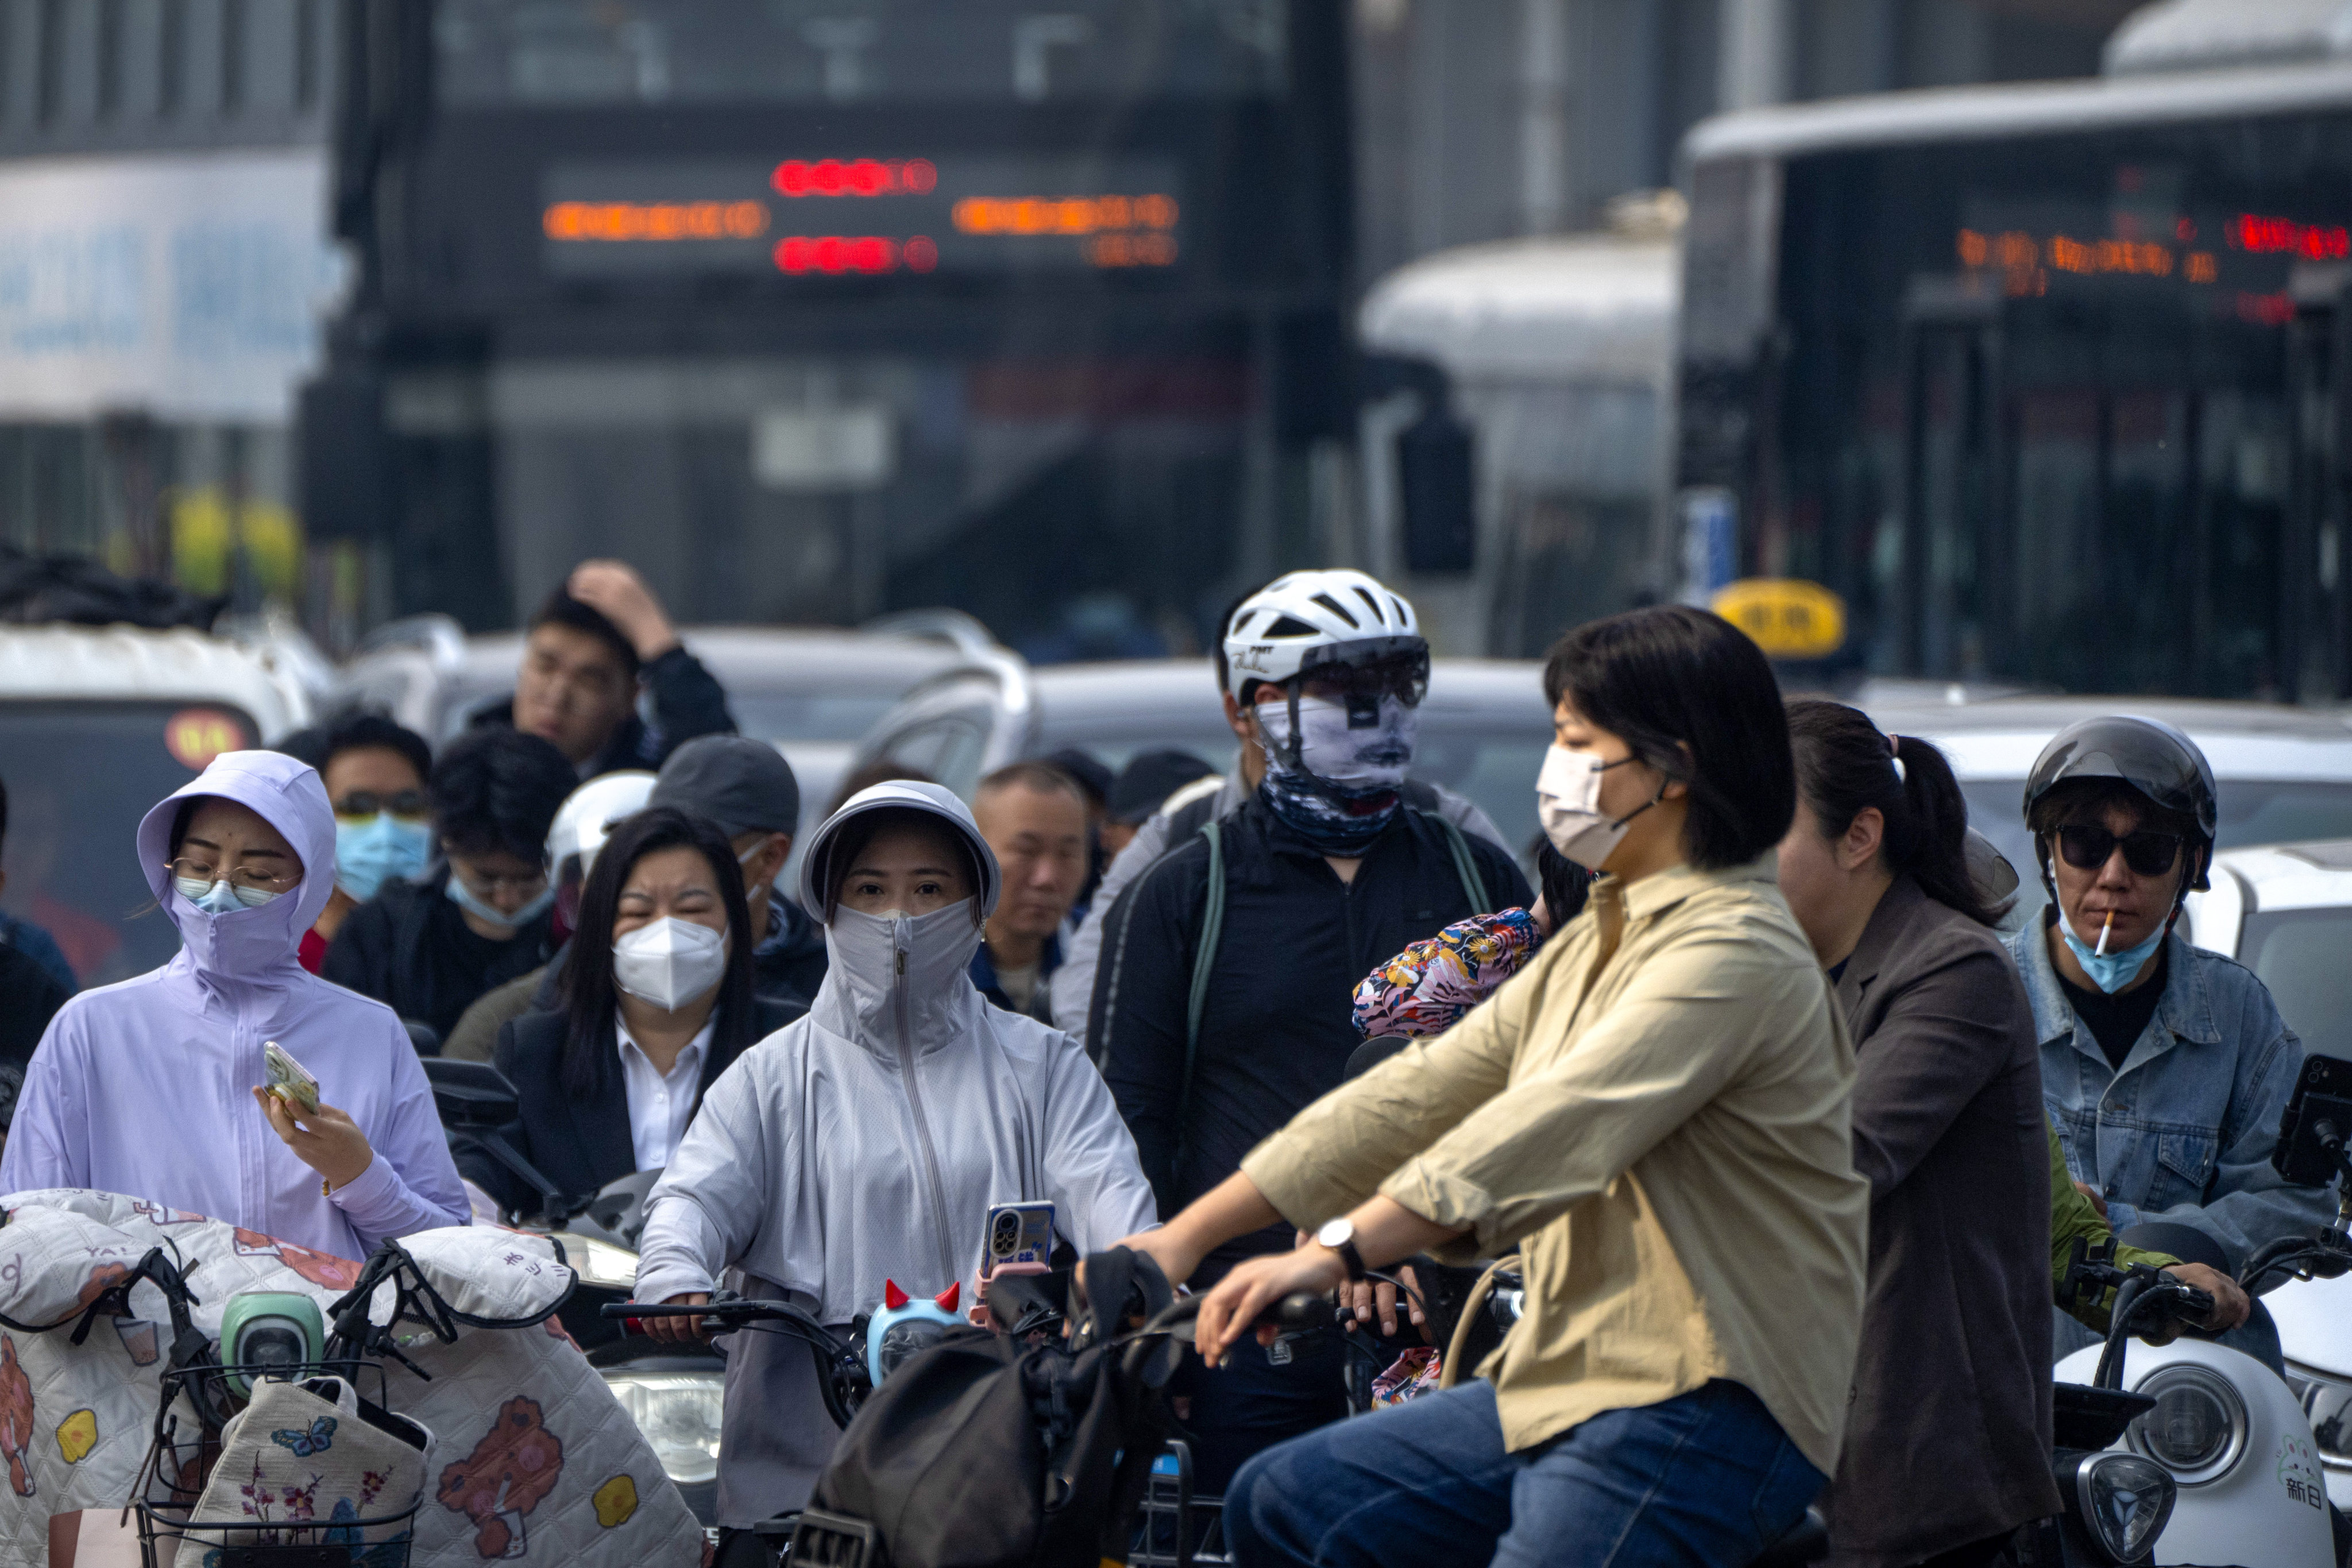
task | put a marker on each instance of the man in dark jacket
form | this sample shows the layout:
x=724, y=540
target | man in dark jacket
x=591, y=645
x=482, y=916
x=1323, y=872
x=749, y=790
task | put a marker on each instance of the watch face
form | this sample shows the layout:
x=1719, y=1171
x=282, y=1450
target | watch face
x=1335, y=1233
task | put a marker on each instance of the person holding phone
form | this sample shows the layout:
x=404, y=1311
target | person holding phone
x=864, y=1145
x=155, y=1087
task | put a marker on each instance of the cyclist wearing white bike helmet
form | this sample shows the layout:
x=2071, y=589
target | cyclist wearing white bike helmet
x=1222, y=1000
x=1183, y=813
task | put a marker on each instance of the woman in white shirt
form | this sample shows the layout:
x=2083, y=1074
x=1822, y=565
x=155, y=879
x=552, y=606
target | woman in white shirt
x=658, y=1002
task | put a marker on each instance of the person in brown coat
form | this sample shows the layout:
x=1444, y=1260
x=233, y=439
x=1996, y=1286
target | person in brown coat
x=1947, y=1439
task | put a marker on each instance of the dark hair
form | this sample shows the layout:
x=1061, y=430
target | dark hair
x=1042, y=777
x=1845, y=765
x=497, y=788
x=861, y=830
x=1670, y=677
x=881, y=770
x=358, y=730
x=2082, y=799
x=589, y=992
x=559, y=609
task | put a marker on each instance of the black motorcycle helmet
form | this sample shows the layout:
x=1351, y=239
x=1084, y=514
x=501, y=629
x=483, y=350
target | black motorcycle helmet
x=2155, y=759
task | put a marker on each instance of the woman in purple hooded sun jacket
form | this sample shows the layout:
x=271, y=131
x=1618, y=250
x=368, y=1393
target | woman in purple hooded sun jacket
x=152, y=1087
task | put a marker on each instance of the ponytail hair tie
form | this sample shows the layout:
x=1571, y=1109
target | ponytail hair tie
x=1895, y=754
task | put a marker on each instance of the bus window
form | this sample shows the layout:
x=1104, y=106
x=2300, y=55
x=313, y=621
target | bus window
x=2055, y=408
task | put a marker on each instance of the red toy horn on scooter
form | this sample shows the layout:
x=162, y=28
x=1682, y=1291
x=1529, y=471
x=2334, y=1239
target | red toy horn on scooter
x=905, y=1325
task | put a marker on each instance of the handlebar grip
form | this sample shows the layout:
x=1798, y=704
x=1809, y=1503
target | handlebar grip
x=1299, y=1310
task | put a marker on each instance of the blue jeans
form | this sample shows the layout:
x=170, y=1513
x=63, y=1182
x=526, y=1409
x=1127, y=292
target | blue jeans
x=1705, y=1479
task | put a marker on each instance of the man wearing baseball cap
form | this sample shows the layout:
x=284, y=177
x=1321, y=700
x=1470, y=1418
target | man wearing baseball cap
x=749, y=790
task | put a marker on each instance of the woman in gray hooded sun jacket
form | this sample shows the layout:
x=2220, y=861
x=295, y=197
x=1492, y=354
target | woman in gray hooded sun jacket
x=866, y=1140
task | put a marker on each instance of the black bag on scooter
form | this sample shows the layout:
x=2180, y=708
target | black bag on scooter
x=984, y=1451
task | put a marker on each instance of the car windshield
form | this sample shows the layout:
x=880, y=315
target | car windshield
x=2253, y=811
x=2299, y=956
x=72, y=819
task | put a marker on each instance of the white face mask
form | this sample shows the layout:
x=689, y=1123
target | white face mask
x=221, y=897
x=1568, y=803
x=669, y=963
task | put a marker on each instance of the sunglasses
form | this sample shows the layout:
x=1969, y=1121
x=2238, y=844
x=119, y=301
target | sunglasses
x=1403, y=677
x=2149, y=854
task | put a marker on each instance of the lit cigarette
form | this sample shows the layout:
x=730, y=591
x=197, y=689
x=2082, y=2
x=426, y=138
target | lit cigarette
x=2102, y=949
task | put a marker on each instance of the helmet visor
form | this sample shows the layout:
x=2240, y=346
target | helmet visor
x=1373, y=669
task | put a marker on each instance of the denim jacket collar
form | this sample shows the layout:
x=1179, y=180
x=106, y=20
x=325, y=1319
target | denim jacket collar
x=2185, y=1010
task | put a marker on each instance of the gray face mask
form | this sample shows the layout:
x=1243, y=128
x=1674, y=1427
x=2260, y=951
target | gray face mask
x=893, y=958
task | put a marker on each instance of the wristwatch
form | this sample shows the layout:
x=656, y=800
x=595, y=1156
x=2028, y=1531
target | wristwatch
x=1339, y=1235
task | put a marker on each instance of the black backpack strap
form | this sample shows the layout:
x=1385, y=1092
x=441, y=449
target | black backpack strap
x=1204, y=964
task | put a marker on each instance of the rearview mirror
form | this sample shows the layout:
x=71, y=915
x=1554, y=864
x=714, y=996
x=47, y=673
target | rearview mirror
x=471, y=1094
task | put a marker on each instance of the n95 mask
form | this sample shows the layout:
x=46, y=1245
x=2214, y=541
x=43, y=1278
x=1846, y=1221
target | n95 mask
x=669, y=963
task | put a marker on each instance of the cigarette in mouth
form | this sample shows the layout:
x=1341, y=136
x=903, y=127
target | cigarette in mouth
x=2101, y=950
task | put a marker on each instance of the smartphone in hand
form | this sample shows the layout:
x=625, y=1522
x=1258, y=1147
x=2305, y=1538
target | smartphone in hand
x=289, y=1080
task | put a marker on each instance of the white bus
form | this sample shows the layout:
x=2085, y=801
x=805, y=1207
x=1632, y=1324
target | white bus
x=2044, y=381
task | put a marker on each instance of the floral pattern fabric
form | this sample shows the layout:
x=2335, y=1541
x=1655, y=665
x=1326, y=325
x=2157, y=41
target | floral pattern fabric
x=1427, y=988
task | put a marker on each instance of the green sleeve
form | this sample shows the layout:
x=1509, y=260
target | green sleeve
x=2072, y=1216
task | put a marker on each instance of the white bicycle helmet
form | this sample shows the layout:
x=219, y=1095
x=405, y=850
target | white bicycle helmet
x=1305, y=619
x=585, y=818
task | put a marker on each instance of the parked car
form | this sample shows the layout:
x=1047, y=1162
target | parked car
x=1484, y=726
x=809, y=691
x=2286, y=774
x=97, y=724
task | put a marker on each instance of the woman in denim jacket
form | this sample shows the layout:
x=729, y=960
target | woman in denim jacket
x=2164, y=1067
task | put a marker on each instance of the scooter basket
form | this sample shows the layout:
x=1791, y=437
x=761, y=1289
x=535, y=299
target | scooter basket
x=287, y=1531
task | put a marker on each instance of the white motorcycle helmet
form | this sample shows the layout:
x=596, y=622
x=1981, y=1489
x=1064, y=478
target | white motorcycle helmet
x=1338, y=625
x=586, y=820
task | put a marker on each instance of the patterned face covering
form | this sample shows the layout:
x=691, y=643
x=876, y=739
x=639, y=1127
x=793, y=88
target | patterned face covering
x=1336, y=785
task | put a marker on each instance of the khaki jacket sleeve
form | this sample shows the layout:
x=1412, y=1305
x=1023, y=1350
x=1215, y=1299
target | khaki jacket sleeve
x=1335, y=1153
x=1675, y=1036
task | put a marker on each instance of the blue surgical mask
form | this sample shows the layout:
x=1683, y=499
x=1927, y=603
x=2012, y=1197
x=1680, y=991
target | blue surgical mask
x=463, y=897
x=371, y=850
x=221, y=897
x=2111, y=972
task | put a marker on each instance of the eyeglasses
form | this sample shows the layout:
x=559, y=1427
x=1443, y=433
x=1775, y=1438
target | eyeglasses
x=198, y=869
x=367, y=803
x=2149, y=854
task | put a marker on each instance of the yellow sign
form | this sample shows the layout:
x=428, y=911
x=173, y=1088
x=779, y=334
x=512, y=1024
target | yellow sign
x=1788, y=617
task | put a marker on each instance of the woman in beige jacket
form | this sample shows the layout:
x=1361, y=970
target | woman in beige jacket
x=1655, y=1113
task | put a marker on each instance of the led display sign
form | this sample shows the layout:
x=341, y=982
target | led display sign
x=861, y=215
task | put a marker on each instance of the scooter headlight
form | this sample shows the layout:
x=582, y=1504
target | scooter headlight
x=2198, y=1430
x=2123, y=1501
x=678, y=1414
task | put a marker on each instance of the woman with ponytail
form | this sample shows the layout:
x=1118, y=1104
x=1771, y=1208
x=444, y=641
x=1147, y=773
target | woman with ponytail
x=1948, y=1440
